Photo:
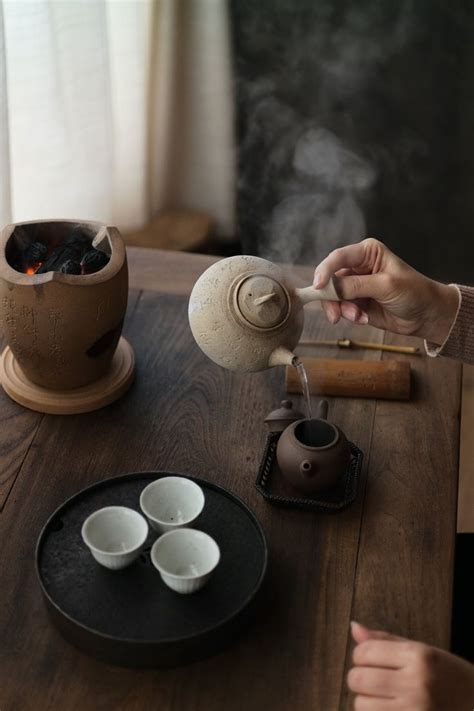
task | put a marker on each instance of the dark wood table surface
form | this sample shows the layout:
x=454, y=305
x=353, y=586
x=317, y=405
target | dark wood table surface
x=386, y=561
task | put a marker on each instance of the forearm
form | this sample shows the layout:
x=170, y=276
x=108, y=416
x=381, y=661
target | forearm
x=455, y=339
x=444, y=301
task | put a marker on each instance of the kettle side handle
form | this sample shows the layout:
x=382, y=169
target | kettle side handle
x=327, y=293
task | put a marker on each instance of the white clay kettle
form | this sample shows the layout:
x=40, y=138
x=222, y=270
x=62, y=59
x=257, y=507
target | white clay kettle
x=246, y=315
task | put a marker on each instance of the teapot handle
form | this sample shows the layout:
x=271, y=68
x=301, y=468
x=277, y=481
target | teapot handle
x=329, y=292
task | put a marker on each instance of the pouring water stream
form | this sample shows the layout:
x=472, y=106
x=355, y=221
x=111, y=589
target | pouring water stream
x=304, y=385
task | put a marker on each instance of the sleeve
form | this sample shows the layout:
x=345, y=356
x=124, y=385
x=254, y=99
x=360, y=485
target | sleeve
x=460, y=341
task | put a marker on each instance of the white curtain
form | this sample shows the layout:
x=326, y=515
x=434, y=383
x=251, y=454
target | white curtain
x=5, y=199
x=116, y=109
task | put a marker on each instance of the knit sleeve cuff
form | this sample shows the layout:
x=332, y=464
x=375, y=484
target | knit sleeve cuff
x=459, y=343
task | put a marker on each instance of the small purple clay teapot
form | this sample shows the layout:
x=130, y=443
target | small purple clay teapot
x=313, y=454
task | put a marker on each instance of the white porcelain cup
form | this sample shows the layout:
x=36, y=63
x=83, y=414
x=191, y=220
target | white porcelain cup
x=115, y=535
x=185, y=559
x=171, y=502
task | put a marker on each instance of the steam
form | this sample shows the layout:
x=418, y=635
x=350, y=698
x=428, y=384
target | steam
x=319, y=187
x=328, y=180
x=306, y=175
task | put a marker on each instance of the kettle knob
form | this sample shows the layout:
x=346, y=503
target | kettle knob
x=261, y=301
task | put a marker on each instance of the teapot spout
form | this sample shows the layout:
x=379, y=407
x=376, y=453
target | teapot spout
x=281, y=356
x=307, y=468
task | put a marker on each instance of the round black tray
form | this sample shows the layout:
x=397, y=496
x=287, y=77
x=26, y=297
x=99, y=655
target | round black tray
x=129, y=617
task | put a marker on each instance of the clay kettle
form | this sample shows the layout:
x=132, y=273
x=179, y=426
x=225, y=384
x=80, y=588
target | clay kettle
x=246, y=315
x=313, y=454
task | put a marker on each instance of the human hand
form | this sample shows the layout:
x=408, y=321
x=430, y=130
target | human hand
x=391, y=673
x=380, y=289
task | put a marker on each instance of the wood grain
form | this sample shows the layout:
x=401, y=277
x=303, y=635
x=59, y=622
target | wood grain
x=185, y=414
x=387, y=560
x=353, y=378
x=406, y=554
x=466, y=455
x=17, y=431
x=175, y=272
x=168, y=272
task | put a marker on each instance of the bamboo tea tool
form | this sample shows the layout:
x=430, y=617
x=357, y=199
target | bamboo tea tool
x=349, y=343
x=353, y=378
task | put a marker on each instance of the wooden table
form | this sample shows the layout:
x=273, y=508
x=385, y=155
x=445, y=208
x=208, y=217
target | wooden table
x=386, y=561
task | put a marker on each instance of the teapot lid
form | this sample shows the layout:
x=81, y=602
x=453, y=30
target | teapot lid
x=285, y=412
x=262, y=301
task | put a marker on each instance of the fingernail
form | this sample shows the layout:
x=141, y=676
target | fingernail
x=363, y=318
x=317, y=280
x=351, y=314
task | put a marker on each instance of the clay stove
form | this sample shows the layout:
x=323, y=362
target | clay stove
x=63, y=296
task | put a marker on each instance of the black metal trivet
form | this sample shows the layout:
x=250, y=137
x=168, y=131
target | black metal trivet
x=275, y=489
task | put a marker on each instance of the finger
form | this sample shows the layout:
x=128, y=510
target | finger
x=360, y=633
x=371, y=681
x=363, y=286
x=374, y=703
x=352, y=312
x=344, y=272
x=364, y=254
x=332, y=309
x=382, y=653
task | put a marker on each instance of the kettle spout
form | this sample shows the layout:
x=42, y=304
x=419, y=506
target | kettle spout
x=281, y=356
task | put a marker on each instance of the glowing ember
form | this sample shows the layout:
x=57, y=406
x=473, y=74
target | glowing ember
x=69, y=252
x=32, y=270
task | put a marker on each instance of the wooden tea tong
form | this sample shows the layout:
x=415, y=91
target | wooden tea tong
x=349, y=343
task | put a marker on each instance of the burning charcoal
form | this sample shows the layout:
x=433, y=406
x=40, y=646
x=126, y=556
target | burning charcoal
x=60, y=255
x=34, y=253
x=79, y=240
x=70, y=267
x=44, y=268
x=78, y=236
x=93, y=261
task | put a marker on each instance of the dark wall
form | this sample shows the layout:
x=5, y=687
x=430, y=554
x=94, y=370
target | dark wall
x=355, y=119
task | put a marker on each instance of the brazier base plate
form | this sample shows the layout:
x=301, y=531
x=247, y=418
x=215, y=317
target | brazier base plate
x=69, y=402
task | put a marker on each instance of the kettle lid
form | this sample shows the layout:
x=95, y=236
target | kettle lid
x=262, y=301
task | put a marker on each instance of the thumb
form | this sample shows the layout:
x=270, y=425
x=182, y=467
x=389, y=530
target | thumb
x=360, y=633
x=362, y=286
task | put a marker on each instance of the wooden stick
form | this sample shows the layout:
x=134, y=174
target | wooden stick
x=353, y=378
x=348, y=343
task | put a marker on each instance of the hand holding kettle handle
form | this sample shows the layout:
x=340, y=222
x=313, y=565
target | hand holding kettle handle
x=327, y=293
